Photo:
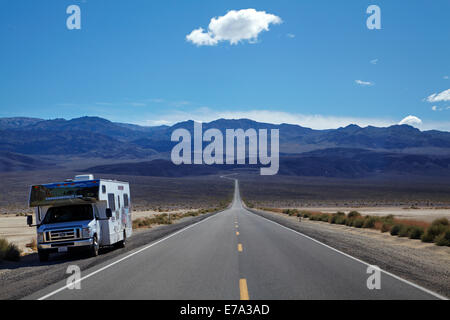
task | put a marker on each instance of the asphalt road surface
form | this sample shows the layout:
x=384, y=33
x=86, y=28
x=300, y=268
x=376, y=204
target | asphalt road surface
x=233, y=255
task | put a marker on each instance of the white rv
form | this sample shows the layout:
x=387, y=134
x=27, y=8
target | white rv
x=84, y=213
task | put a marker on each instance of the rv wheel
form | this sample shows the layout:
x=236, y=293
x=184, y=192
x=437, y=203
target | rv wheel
x=43, y=255
x=94, y=247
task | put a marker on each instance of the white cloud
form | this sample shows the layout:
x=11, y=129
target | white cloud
x=411, y=120
x=235, y=26
x=434, y=108
x=201, y=38
x=364, y=83
x=445, y=77
x=374, y=61
x=290, y=35
x=439, y=97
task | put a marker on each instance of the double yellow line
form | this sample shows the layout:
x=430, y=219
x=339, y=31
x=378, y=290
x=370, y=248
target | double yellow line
x=243, y=289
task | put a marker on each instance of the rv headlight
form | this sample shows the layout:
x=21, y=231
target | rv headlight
x=40, y=237
x=86, y=233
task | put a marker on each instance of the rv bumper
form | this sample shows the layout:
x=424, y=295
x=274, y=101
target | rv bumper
x=69, y=244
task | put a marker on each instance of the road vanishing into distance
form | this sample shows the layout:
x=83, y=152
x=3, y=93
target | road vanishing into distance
x=234, y=254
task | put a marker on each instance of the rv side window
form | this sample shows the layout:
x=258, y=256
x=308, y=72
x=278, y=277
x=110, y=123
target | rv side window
x=125, y=200
x=103, y=189
x=111, y=201
x=118, y=201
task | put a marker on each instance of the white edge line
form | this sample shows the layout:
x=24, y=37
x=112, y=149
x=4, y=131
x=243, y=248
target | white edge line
x=356, y=259
x=122, y=259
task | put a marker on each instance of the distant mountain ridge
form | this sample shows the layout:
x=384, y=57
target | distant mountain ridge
x=301, y=148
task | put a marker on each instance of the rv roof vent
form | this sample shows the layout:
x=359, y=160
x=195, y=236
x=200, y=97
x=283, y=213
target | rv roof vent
x=84, y=177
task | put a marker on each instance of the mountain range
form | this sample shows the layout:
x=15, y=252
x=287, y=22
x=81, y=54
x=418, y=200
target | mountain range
x=352, y=151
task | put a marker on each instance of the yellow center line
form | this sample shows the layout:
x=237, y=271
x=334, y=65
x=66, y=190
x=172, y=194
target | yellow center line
x=243, y=289
x=240, y=247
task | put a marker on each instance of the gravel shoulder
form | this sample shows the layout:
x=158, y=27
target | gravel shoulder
x=424, y=264
x=20, y=279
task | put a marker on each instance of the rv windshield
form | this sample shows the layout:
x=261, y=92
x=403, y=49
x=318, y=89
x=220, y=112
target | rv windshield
x=68, y=213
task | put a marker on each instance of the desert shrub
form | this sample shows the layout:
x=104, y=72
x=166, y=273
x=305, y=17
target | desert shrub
x=404, y=231
x=337, y=218
x=290, y=212
x=427, y=237
x=440, y=222
x=333, y=219
x=9, y=251
x=388, y=219
x=369, y=222
x=354, y=214
x=324, y=217
x=306, y=214
x=443, y=239
x=415, y=232
x=433, y=232
x=342, y=220
x=358, y=223
x=12, y=253
x=385, y=227
x=395, y=229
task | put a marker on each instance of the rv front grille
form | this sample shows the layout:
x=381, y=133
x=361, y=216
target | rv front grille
x=63, y=235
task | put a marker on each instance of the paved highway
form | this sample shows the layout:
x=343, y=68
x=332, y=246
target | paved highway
x=233, y=255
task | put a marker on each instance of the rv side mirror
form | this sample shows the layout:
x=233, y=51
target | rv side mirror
x=108, y=213
x=29, y=220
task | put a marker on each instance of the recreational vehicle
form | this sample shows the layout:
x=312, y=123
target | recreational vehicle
x=83, y=213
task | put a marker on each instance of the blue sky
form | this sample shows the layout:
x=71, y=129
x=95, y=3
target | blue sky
x=131, y=62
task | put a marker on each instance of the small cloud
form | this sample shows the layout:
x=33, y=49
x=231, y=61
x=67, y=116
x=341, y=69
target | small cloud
x=445, y=77
x=411, y=120
x=364, y=83
x=435, y=108
x=234, y=27
x=374, y=61
x=290, y=35
x=439, y=97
